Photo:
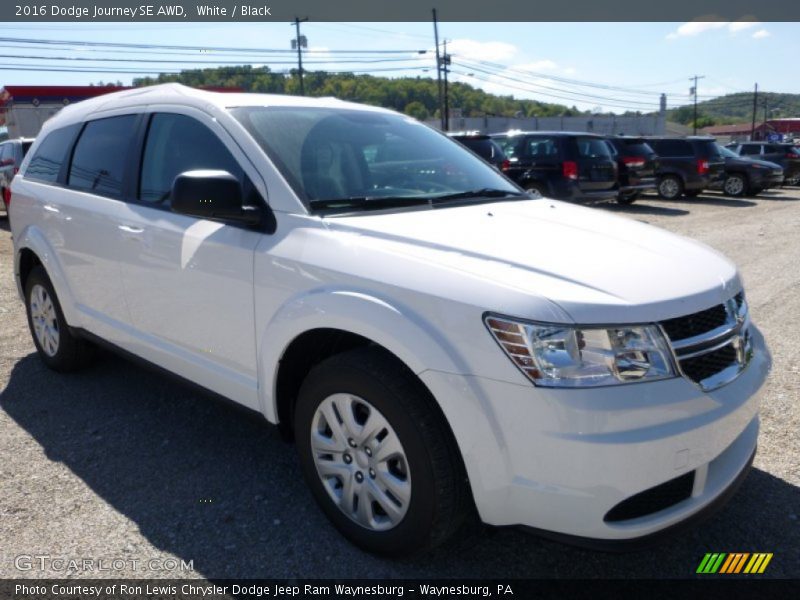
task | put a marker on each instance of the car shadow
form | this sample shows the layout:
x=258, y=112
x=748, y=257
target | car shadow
x=777, y=196
x=641, y=209
x=215, y=485
x=5, y=225
x=713, y=200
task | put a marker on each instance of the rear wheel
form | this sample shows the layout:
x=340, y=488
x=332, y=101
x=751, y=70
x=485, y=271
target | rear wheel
x=58, y=348
x=378, y=457
x=670, y=187
x=735, y=185
x=627, y=197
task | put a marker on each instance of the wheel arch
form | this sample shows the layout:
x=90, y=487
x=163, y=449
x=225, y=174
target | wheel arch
x=315, y=325
x=34, y=249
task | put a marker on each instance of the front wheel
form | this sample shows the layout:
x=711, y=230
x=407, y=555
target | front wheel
x=377, y=455
x=670, y=187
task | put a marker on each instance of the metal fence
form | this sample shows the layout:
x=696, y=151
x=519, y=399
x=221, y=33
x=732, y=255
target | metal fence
x=605, y=124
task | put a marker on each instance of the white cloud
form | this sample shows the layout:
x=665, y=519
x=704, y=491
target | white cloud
x=761, y=33
x=488, y=51
x=539, y=65
x=741, y=26
x=694, y=28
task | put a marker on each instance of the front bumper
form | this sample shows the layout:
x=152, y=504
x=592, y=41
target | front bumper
x=559, y=460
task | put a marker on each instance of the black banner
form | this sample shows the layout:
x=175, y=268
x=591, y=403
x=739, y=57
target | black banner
x=368, y=589
x=392, y=10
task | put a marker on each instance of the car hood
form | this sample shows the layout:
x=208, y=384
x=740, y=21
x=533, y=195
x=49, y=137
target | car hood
x=596, y=266
x=744, y=162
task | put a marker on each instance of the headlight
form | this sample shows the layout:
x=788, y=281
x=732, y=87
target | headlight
x=564, y=356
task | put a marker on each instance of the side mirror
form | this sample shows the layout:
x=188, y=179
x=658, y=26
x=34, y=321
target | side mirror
x=211, y=194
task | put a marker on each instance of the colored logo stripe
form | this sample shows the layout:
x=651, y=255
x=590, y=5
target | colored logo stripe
x=721, y=562
x=759, y=562
x=711, y=562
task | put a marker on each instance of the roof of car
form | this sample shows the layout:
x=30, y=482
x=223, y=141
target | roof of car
x=516, y=132
x=21, y=140
x=175, y=93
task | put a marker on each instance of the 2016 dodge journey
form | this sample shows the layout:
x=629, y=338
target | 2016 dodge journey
x=439, y=344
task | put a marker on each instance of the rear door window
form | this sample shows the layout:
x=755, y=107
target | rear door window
x=100, y=156
x=750, y=149
x=542, y=147
x=45, y=164
x=177, y=143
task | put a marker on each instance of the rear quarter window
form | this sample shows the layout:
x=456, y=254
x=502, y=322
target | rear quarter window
x=673, y=148
x=50, y=154
x=592, y=147
x=485, y=148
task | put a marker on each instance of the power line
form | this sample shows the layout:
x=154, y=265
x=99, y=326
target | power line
x=638, y=105
x=346, y=60
x=198, y=48
x=530, y=89
x=46, y=69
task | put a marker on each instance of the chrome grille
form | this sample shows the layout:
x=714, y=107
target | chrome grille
x=712, y=346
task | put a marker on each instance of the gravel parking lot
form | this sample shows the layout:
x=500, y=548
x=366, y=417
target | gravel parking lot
x=118, y=462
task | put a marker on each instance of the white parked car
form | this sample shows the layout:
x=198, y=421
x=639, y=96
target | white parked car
x=438, y=343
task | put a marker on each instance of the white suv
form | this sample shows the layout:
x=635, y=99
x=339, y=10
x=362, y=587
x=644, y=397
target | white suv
x=438, y=343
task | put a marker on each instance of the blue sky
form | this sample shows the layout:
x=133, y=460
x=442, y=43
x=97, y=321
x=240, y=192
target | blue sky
x=530, y=60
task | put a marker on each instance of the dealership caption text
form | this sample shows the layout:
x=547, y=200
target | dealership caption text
x=141, y=12
x=277, y=591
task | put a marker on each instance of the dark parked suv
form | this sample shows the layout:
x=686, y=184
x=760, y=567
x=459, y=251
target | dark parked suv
x=637, y=163
x=11, y=154
x=786, y=155
x=564, y=165
x=687, y=166
x=746, y=176
x=484, y=146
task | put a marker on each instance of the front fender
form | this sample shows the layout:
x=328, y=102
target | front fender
x=34, y=239
x=397, y=328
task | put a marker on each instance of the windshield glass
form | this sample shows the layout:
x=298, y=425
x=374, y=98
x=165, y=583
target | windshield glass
x=727, y=152
x=334, y=154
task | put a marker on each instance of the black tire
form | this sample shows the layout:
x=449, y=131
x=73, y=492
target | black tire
x=670, y=187
x=627, y=197
x=439, y=499
x=736, y=185
x=70, y=352
x=536, y=188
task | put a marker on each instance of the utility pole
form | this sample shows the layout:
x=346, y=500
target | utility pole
x=438, y=69
x=445, y=65
x=755, y=104
x=694, y=91
x=300, y=42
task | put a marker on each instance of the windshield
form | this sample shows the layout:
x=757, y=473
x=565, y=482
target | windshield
x=727, y=152
x=329, y=154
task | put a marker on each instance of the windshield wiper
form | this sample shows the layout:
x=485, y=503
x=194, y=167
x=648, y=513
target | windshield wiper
x=384, y=202
x=368, y=202
x=482, y=193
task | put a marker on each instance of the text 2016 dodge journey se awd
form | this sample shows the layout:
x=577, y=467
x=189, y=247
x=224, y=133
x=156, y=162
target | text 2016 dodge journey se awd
x=438, y=343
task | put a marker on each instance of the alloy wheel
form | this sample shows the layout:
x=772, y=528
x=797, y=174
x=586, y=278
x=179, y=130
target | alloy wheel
x=44, y=319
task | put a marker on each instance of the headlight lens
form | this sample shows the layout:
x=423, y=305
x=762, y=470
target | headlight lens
x=564, y=356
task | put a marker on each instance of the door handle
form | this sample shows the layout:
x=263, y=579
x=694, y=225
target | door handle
x=130, y=229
